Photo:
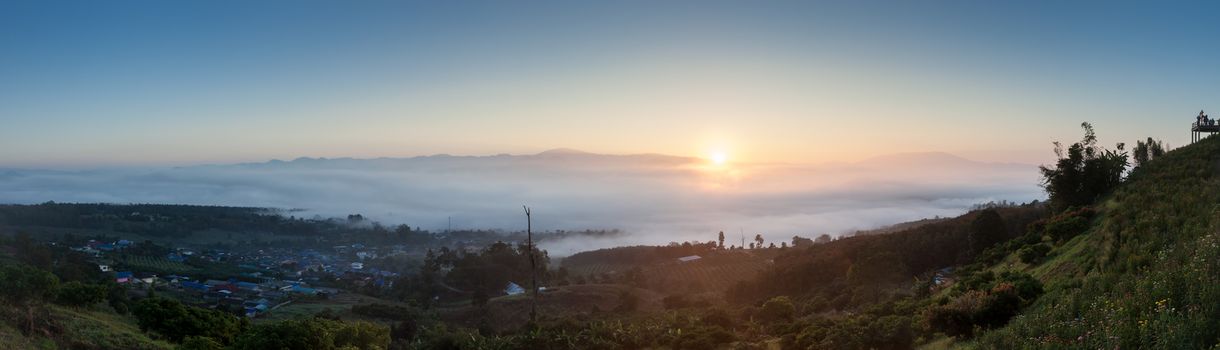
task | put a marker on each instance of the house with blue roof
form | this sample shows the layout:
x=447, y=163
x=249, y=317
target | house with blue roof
x=123, y=277
x=247, y=286
x=303, y=290
x=195, y=286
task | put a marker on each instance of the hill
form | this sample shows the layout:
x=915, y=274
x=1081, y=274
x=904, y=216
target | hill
x=1145, y=273
x=1138, y=267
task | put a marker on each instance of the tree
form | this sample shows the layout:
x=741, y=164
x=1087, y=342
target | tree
x=758, y=241
x=200, y=343
x=77, y=294
x=177, y=321
x=779, y=308
x=823, y=238
x=986, y=230
x=721, y=239
x=627, y=301
x=1145, y=151
x=26, y=286
x=1086, y=172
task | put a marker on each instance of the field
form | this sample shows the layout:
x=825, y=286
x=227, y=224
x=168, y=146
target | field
x=340, y=304
x=697, y=276
x=155, y=263
x=713, y=273
x=507, y=313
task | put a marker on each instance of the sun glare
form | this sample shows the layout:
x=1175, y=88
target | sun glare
x=719, y=158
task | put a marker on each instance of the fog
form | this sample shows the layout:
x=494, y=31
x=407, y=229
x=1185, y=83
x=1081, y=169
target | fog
x=654, y=199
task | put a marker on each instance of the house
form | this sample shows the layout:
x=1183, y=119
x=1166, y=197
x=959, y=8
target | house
x=357, y=266
x=513, y=289
x=123, y=277
x=302, y=290
x=104, y=268
x=247, y=286
x=194, y=286
x=689, y=258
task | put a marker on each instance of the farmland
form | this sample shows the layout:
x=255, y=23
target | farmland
x=714, y=272
x=154, y=263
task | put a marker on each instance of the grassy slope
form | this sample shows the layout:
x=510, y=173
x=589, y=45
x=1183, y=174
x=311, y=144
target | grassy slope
x=1146, y=275
x=83, y=329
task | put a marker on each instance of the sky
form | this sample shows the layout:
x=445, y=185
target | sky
x=91, y=84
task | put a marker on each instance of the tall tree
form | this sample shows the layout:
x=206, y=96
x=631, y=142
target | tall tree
x=721, y=238
x=1084, y=172
x=986, y=230
x=1145, y=151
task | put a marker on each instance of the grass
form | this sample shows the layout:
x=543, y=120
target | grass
x=83, y=329
x=1147, y=273
x=95, y=329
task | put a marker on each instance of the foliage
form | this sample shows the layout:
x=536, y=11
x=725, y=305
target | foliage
x=1085, y=173
x=829, y=269
x=1033, y=253
x=314, y=333
x=1145, y=151
x=200, y=343
x=177, y=321
x=25, y=284
x=1147, y=274
x=778, y=309
x=80, y=294
x=986, y=230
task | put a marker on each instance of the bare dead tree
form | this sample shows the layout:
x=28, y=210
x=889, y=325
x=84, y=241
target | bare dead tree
x=529, y=245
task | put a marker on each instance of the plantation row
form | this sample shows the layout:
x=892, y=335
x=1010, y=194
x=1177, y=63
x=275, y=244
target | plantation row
x=705, y=276
x=155, y=263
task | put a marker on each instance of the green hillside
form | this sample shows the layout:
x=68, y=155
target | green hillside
x=1145, y=274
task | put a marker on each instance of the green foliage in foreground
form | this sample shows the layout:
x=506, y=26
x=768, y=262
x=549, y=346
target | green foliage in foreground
x=177, y=321
x=1151, y=267
x=315, y=333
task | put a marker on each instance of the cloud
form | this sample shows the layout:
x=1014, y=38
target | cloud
x=655, y=199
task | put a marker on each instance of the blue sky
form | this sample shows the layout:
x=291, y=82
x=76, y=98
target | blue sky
x=101, y=84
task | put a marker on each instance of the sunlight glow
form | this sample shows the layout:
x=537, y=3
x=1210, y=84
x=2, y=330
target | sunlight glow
x=719, y=158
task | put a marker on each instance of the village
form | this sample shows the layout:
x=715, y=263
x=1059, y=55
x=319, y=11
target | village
x=250, y=282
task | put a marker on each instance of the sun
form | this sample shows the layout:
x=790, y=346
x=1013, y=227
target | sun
x=719, y=158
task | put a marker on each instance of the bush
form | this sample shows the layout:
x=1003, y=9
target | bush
x=777, y=309
x=703, y=338
x=986, y=230
x=982, y=306
x=77, y=294
x=176, y=321
x=200, y=343
x=1033, y=253
x=315, y=333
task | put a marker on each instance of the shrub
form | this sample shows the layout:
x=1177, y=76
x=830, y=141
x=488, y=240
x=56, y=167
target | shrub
x=315, y=333
x=200, y=343
x=1068, y=224
x=703, y=338
x=986, y=230
x=1033, y=253
x=176, y=321
x=79, y=294
x=777, y=309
